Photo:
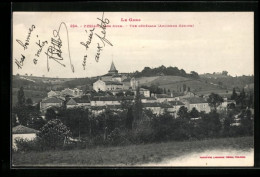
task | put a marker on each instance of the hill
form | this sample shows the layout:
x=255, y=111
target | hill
x=174, y=83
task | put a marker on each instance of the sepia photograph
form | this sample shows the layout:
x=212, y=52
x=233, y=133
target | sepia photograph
x=132, y=89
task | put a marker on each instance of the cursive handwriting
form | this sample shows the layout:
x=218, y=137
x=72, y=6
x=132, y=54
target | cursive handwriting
x=54, y=52
x=27, y=40
x=89, y=39
x=99, y=49
x=103, y=23
x=86, y=44
x=20, y=63
x=40, y=45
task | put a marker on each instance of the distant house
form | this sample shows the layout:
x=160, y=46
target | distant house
x=188, y=94
x=83, y=102
x=50, y=102
x=126, y=83
x=154, y=107
x=103, y=101
x=72, y=92
x=176, y=105
x=22, y=132
x=53, y=93
x=71, y=103
x=165, y=98
x=158, y=108
x=96, y=110
x=225, y=103
x=107, y=85
x=144, y=92
x=196, y=102
x=148, y=100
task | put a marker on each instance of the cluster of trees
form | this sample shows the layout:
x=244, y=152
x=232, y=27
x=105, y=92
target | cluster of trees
x=25, y=113
x=162, y=70
x=243, y=99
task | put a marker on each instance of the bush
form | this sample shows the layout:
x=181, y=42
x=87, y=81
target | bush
x=24, y=145
x=53, y=135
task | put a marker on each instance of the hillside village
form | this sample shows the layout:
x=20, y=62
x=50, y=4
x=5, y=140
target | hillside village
x=115, y=88
x=124, y=108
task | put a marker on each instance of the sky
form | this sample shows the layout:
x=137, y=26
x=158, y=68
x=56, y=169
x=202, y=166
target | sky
x=212, y=42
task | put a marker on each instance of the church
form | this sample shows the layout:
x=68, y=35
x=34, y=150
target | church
x=114, y=81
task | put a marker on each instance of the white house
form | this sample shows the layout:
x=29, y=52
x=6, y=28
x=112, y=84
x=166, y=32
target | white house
x=196, y=102
x=22, y=132
x=99, y=85
x=166, y=98
x=50, y=102
x=176, y=105
x=53, y=93
x=225, y=103
x=103, y=101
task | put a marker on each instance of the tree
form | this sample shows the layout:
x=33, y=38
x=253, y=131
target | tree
x=53, y=135
x=137, y=109
x=36, y=123
x=242, y=98
x=21, y=97
x=25, y=113
x=129, y=118
x=29, y=101
x=14, y=120
x=184, y=87
x=225, y=73
x=183, y=112
x=164, y=90
x=231, y=106
x=215, y=100
x=234, y=95
x=50, y=114
x=194, y=113
x=194, y=74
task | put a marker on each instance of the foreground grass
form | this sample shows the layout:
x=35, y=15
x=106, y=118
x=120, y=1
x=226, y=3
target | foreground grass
x=128, y=155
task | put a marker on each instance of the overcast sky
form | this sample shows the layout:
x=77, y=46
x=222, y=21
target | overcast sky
x=216, y=42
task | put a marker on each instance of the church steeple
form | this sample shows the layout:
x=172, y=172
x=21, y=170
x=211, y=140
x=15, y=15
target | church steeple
x=113, y=69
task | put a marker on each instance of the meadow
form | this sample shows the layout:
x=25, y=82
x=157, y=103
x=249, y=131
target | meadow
x=128, y=155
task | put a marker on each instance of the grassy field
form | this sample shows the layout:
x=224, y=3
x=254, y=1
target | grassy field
x=128, y=155
x=175, y=82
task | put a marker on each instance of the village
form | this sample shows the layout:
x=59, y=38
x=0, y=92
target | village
x=116, y=88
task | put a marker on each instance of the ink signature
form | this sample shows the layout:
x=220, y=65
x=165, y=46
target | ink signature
x=27, y=40
x=54, y=51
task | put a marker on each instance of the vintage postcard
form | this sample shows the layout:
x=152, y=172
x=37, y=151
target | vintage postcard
x=132, y=89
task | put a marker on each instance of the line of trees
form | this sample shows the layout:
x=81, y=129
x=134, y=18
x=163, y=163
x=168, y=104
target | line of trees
x=162, y=70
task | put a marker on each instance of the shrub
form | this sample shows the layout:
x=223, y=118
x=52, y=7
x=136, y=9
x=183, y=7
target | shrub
x=53, y=135
x=23, y=145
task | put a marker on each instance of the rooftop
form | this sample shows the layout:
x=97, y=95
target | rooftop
x=71, y=102
x=112, y=83
x=194, y=100
x=176, y=103
x=161, y=105
x=52, y=100
x=103, y=98
x=163, y=96
x=20, y=129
